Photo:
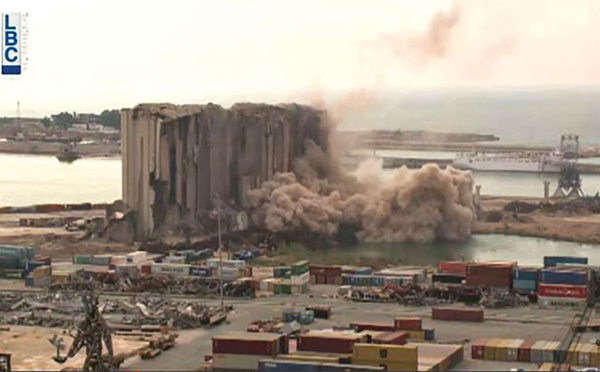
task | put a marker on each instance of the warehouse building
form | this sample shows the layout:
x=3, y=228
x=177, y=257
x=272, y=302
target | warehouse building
x=177, y=159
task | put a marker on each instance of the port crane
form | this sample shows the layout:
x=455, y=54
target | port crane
x=578, y=325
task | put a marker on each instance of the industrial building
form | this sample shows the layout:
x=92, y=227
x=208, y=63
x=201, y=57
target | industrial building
x=177, y=159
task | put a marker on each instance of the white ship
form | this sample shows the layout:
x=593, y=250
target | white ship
x=510, y=162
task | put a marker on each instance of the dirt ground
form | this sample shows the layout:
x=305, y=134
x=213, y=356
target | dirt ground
x=581, y=228
x=55, y=242
x=31, y=350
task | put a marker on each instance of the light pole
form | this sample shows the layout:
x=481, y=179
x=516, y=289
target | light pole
x=219, y=250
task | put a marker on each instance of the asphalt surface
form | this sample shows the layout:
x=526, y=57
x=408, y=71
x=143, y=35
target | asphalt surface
x=523, y=322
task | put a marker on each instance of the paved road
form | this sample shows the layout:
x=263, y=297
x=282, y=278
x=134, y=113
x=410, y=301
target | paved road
x=189, y=352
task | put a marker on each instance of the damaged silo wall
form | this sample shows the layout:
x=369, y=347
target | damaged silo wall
x=176, y=159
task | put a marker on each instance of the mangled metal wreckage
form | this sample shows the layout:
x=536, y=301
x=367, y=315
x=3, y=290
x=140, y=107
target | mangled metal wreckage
x=178, y=159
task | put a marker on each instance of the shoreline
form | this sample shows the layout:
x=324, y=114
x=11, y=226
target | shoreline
x=94, y=150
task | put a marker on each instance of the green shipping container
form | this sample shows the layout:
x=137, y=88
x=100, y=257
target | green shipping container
x=286, y=289
x=11, y=262
x=16, y=251
x=12, y=274
x=300, y=267
x=277, y=288
x=82, y=259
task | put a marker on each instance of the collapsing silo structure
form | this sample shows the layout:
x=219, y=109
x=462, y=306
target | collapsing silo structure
x=176, y=159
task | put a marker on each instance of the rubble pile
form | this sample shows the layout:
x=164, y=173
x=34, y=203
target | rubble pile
x=64, y=310
x=162, y=284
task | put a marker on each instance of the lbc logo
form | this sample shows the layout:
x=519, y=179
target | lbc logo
x=11, y=44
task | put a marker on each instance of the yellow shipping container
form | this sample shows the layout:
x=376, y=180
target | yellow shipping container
x=385, y=353
x=572, y=355
x=389, y=366
x=489, y=349
x=501, y=346
x=41, y=272
x=584, y=354
x=546, y=367
x=416, y=335
x=594, y=356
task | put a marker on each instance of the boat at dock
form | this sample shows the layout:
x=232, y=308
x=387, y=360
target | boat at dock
x=510, y=162
x=68, y=155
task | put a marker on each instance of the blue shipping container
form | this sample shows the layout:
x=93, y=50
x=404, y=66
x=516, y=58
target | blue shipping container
x=553, y=260
x=29, y=282
x=575, y=277
x=281, y=365
x=524, y=286
x=526, y=274
x=429, y=334
x=377, y=281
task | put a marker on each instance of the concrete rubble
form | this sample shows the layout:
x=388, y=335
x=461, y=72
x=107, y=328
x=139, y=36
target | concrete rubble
x=64, y=309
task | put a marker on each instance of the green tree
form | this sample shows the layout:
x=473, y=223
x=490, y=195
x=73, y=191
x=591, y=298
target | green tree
x=46, y=122
x=110, y=118
x=64, y=120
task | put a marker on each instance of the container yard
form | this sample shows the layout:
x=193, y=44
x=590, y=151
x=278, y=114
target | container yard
x=320, y=317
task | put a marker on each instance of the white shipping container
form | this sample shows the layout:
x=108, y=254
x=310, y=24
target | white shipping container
x=136, y=257
x=300, y=279
x=176, y=270
x=118, y=260
x=262, y=272
x=214, y=262
x=551, y=302
x=174, y=259
x=537, y=352
x=127, y=270
x=237, y=362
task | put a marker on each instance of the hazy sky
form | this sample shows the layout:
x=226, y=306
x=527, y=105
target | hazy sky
x=90, y=55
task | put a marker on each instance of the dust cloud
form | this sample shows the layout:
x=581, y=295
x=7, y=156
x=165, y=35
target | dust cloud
x=419, y=205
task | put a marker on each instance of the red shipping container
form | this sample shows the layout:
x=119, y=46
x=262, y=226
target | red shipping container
x=477, y=349
x=452, y=267
x=560, y=290
x=146, y=269
x=525, y=351
x=326, y=344
x=391, y=338
x=454, y=314
x=408, y=324
x=489, y=274
x=372, y=327
x=247, y=343
x=325, y=270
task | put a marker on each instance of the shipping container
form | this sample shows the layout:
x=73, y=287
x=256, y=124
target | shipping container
x=525, y=351
x=176, y=270
x=501, y=347
x=477, y=348
x=353, y=270
x=146, y=268
x=549, y=350
x=248, y=343
x=512, y=350
x=321, y=311
x=524, y=286
x=564, y=275
x=489, y=274
x=526, y=273
x=199, y=271
x=452, y=267
x=280, y=272
x=284, y=366
x=562, y=290
x=329, y=342
x=300, y=279
x=236, y=362
x=299, y=268
x=447, y=278
x=350, y=368
x=262, y=272
x=537, y=352
x=385, y=353
x=41, y=271
x=457, y=314
x=561, y=302
x=365, y=326
x=390, y=338
x=136, y=257
x=408, y=324
x=489, y=349
x=27, y=253
x=554, y=260
x=429, y=334
x=175, y=259
x=82, y=259
x=128, y=270
x=325, y=270
x=101, y=260
x=310, y=357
